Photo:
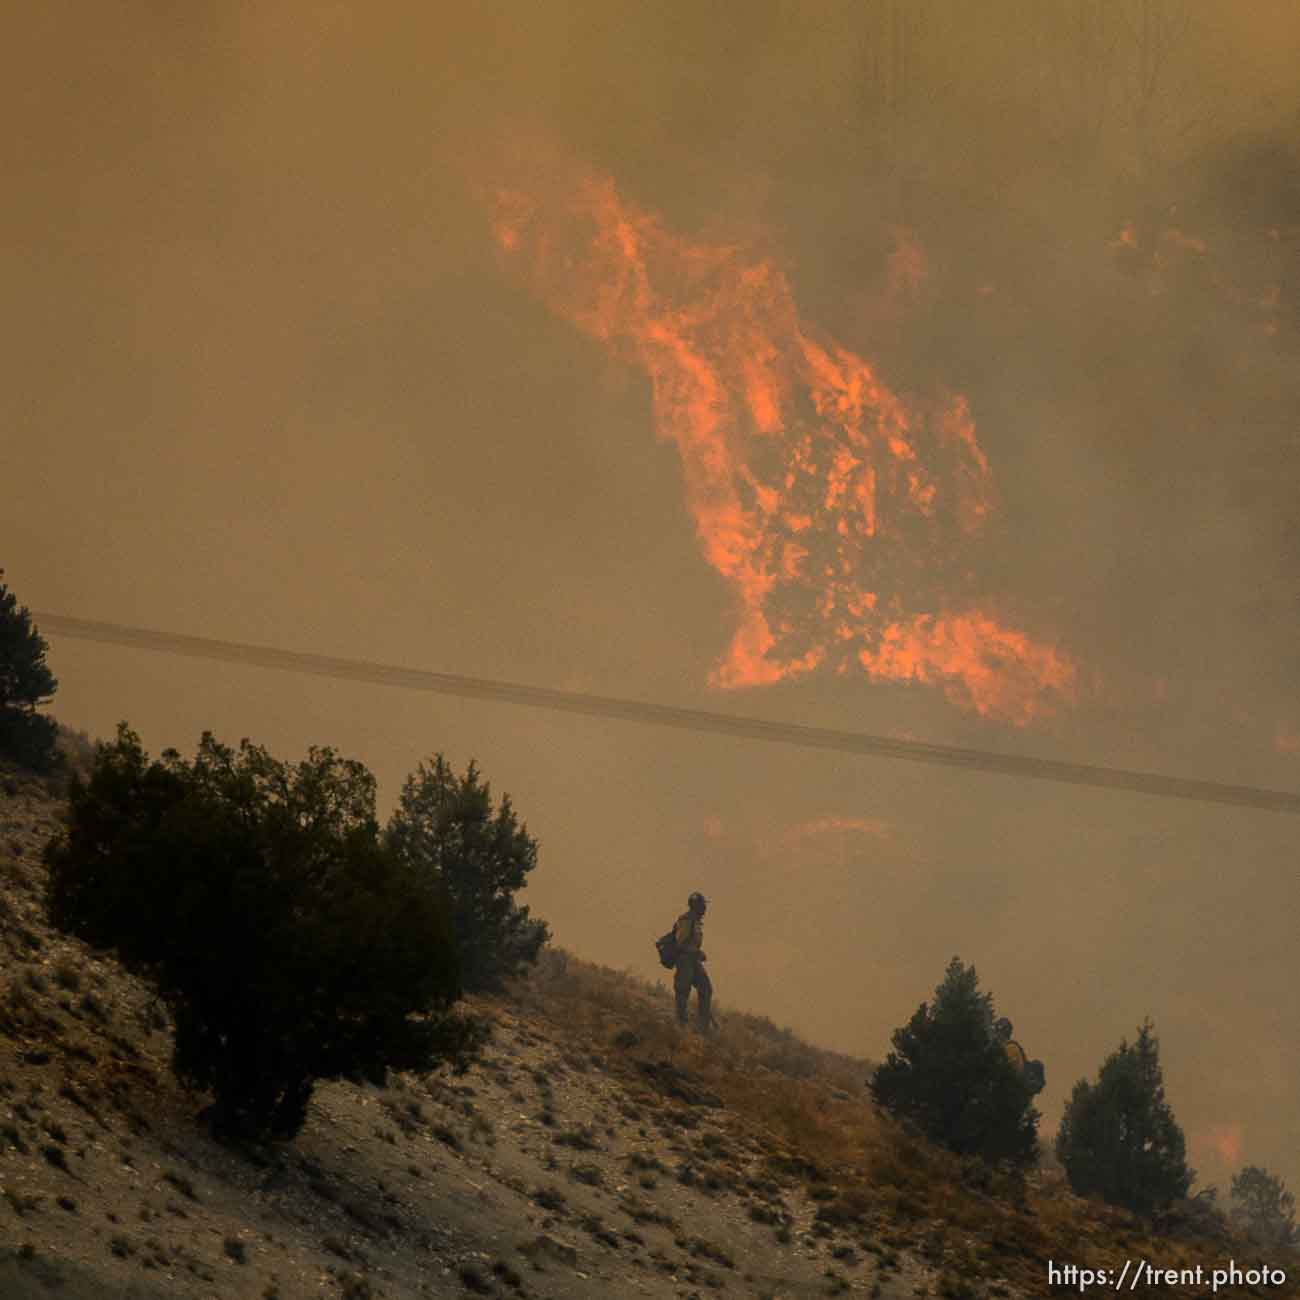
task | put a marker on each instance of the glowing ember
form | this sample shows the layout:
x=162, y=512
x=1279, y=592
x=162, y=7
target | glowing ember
x=908, y=266
x=874, y=827
x=1182, y=241
x=1126, y=238
x=840, y=515
x=1225, y=1141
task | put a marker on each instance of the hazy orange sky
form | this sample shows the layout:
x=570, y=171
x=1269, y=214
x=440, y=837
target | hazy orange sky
x=270, y=376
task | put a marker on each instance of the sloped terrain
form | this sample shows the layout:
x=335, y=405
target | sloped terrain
x=593, y=1151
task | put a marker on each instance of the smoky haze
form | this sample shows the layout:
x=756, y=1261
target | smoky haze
x=269, y=378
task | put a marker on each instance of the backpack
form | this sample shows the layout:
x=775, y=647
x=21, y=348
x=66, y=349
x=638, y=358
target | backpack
x=667, y=948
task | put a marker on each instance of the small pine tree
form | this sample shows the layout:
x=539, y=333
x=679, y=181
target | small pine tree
x=445, y=826
x=26, y=683
x=1266, y=1207
x=1118, y=1138
x=258, y=898
x=949, y=1075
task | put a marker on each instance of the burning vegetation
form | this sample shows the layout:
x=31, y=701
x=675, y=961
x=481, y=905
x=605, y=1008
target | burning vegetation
x=843, y=515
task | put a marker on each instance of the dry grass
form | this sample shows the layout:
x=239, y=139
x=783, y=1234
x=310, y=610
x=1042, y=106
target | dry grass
x=810, y=1103
x=752, y=1113
x=77, y=749
x=807, y=1110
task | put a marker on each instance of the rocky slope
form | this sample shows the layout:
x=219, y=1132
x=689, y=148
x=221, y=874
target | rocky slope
x=593, y=1151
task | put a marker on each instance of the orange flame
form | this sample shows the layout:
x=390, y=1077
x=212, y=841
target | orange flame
x=1224, y=1140
x=834, y=835
x=836, y=824
x=1182, y=241
x=908, y=265
x=1126, y=239
x=840, y=515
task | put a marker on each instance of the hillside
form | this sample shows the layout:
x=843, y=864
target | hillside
x=594, y=1151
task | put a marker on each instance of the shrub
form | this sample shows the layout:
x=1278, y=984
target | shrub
x=26, y=683
x=1118, y=1138
x=1265, y=1206
x=446, y=829
x=287, y=941
x=949, y=1075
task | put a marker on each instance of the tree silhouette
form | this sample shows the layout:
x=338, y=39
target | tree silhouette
x=288, y=941
x=949, y=1075
x=1118, y=1138
x=446, y=828
x=1266, y=1207
x=26, y=683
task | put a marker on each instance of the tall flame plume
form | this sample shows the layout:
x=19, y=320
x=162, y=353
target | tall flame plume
x=841, y=515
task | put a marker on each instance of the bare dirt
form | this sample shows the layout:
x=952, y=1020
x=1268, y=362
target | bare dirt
x=538, y=1173
x=594, y=1151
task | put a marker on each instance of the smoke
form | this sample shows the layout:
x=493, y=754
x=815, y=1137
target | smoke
x=270, y=378
x=1135, y=400
x=832, y=508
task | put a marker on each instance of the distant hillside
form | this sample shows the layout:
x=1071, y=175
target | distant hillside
x=594, y=1152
